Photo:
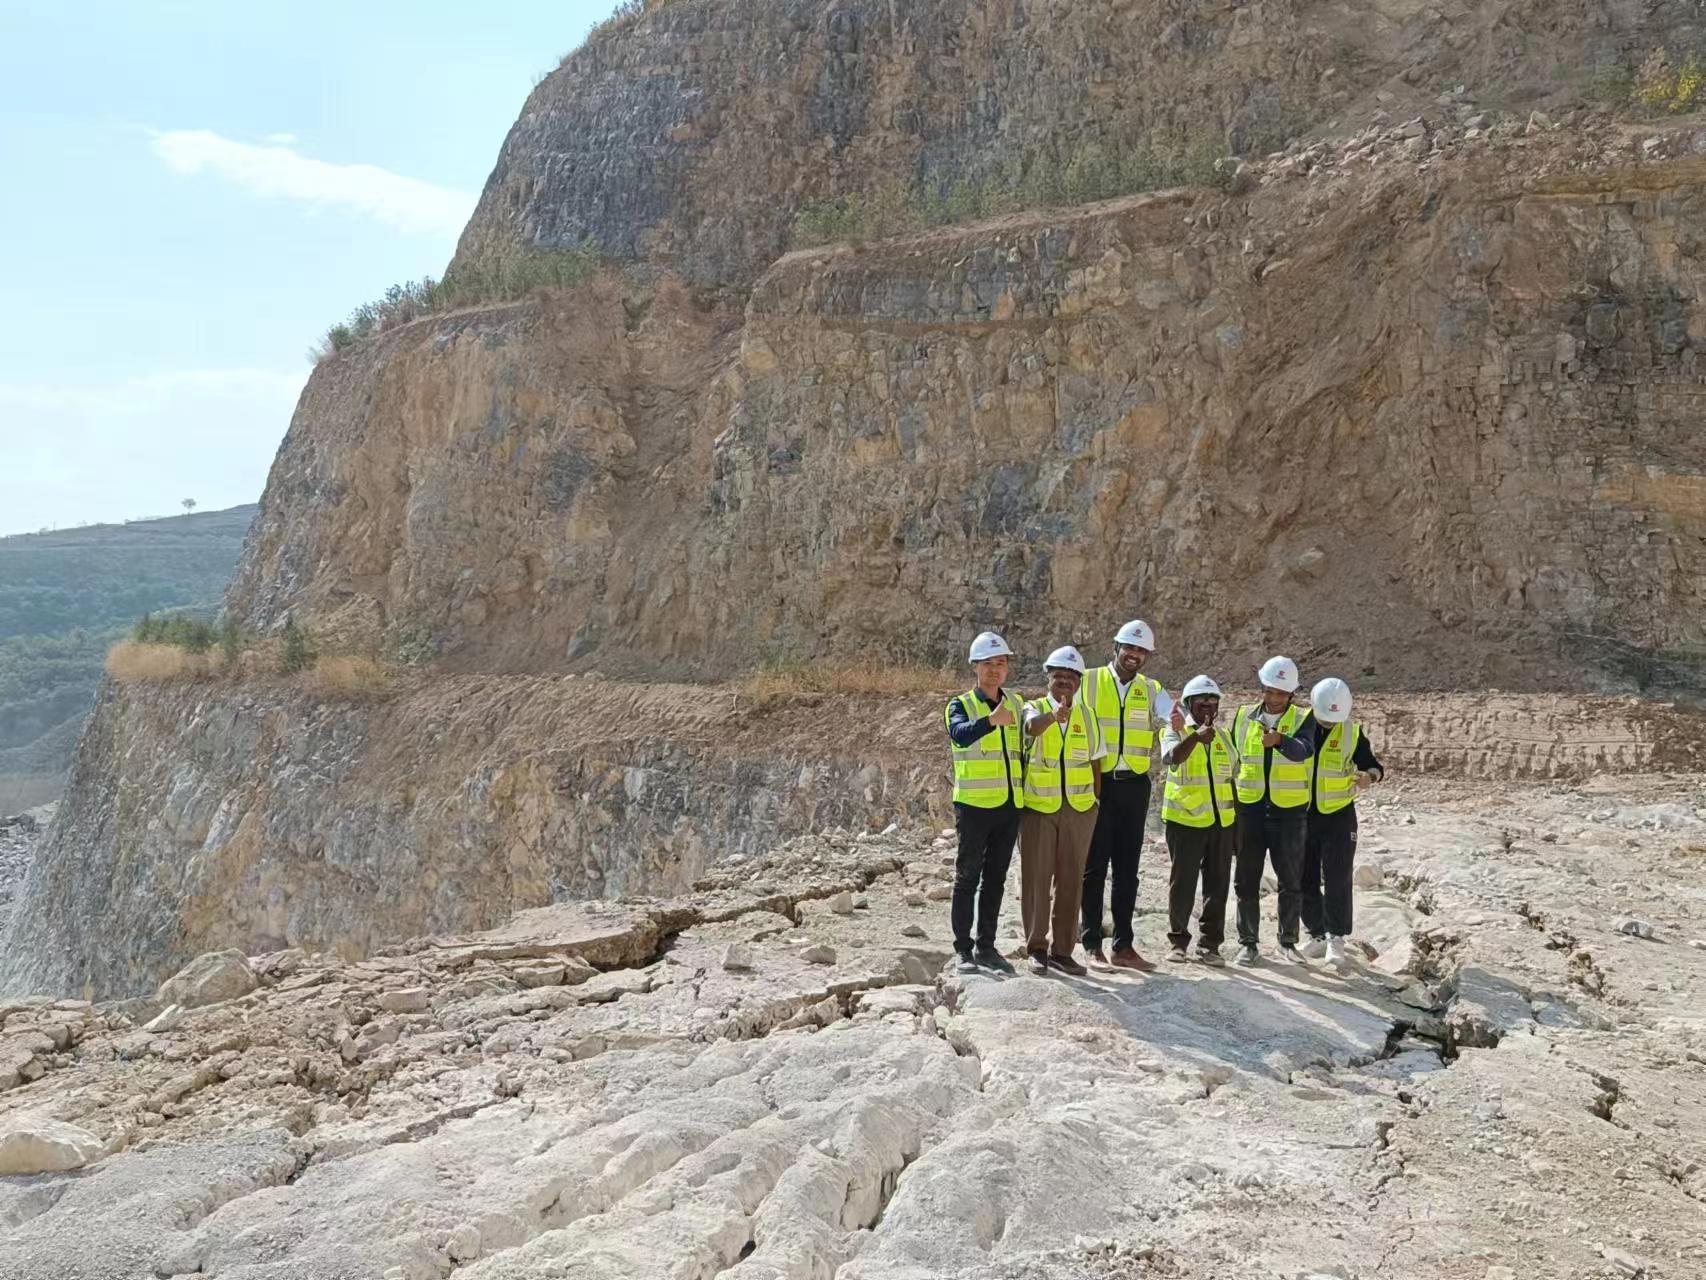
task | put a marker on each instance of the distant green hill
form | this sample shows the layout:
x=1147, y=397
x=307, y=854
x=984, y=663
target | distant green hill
x=65, y=597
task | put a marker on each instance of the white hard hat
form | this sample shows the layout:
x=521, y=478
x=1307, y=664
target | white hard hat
x=1279, y=673
x=1331, y=699
x=1136, y=632
x=1067, y=658
x=1197, y=686
x=989, y=645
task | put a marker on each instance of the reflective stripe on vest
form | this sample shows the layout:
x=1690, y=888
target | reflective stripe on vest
x=1189, y=799
x=993, y=767
x=1335, y=769
x=1048, y=775
x=1125, y=727
x=1287, y=783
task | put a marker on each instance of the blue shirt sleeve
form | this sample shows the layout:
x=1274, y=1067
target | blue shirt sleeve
x=1301, y=745
x=962, y=729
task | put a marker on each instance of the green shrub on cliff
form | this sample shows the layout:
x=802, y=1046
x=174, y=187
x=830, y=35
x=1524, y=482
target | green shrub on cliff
x=184, y=630
x=1666, y=82
x=497, y=279
x=407, y=643
x=298, y=652
x=1043, y=179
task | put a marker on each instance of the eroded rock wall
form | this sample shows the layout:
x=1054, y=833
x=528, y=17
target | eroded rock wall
x=259, y=818
x=1437, y=431
x=694, y=134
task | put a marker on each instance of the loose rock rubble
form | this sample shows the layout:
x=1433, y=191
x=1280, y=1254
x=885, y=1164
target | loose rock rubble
x=749, y=1082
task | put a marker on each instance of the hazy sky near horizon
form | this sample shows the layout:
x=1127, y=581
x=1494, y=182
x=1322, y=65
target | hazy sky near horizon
x=196, y=190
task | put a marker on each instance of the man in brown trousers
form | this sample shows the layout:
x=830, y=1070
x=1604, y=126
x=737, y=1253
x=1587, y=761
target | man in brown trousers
x=1061, y=787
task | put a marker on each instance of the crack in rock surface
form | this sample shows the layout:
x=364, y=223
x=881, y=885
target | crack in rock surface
x=591, y=1091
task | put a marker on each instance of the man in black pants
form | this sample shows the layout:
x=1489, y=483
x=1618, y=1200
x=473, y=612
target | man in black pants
x=1130, y=710
x=1275, y=748
x=1344, y=762
x=1197, y=812
x=984, y=726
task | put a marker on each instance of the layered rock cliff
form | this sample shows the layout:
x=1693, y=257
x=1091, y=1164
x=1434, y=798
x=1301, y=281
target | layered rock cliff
x=1438, y=432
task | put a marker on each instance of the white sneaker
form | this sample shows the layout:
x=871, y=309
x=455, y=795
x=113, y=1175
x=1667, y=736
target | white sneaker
x=1336, y=952
x=1315, y=948
x=1293, y=955
x=1245, y=958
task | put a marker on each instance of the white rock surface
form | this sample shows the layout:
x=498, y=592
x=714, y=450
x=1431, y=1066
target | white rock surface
x=866, y=1117
x=208, y=979
x=35, y=1144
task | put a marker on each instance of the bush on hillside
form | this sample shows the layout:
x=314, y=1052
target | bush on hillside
x=1661, y=84
x=184, y=630
x=230, y=639
x=346, y=678
x=1045, y=179
x=130, y=661
x=500, y=279
x=298, y=653
x=407, y=643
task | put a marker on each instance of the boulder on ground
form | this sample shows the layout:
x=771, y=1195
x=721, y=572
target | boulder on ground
x=208, y=979
x=406, y=1000
x=34, y=1144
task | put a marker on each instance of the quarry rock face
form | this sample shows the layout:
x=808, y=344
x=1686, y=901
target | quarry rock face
x=692, y=136
x=1464, y=394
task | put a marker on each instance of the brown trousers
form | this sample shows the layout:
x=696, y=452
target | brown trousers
x=1052, y=850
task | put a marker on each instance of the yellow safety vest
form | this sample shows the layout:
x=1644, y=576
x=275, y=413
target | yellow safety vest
x=1059, y=763
x=1287, y=783
x=1192, y=798
x=1335, y=768
x=1126, y=726
x=992, y=769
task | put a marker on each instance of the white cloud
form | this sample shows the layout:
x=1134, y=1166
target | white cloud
x=135, y=447
x=281, y=139
x=278, y=171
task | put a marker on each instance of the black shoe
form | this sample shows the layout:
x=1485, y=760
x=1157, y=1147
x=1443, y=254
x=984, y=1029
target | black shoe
x=1066, y=964
x=966, y=963
x=990, y=958
x=1038, y=963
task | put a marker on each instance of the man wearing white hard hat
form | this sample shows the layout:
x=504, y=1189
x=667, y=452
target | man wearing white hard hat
x=1344, y=761
x=1197, y=813
x=1275, y=763
x=989, y=795
x=1130, y=710
x=1061, y=786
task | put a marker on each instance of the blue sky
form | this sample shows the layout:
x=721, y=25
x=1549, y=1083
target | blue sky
x=195, y=191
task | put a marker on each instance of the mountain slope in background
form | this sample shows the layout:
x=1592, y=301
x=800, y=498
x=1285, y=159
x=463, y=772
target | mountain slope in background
x=64, y=598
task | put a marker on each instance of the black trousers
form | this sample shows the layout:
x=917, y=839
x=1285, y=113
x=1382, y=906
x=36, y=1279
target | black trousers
x=1204, y=852
x=1263, y=834
x=980, y=870
x=1117, y=845
x=1329, y=855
